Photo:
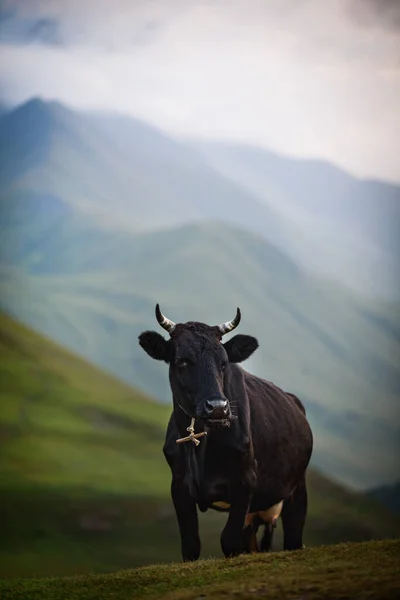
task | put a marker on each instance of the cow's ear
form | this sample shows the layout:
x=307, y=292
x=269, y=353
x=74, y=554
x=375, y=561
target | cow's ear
x=155, y=345
x=240, y=347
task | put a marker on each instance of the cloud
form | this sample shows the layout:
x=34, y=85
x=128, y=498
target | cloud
x=98, y=24
x=339, y=29
x=376, y=13
x=306, y=77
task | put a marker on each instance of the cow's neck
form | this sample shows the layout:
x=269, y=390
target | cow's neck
x=194, y=455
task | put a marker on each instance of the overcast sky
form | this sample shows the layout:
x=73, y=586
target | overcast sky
x=314, y=78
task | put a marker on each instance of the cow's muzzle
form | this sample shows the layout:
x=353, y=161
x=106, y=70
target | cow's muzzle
x=216, y=410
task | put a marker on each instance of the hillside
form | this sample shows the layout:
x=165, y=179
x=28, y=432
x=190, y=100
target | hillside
x=84, y=486
x=367, y=570
x=94, y=288
x=338, y=224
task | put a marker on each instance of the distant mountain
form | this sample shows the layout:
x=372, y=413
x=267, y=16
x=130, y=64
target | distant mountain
x=346, y=227
x=94, y=288
x=136, y=175
x=126, y=171
x=388, y=495
x=4, y=108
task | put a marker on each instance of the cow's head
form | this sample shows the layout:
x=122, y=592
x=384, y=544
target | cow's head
x=198, y=363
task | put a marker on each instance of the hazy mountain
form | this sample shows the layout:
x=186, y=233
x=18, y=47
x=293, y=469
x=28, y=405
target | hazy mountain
x=345, y=227
x=4, y=108
x=148, y=182
x=127, y=171
x=94, y=289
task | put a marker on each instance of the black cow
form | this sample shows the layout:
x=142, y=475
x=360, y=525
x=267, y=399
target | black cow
x=253, y=442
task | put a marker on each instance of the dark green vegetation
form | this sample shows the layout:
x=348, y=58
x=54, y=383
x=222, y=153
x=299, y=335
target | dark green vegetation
x=389, y=495
x=364, y=570
x=80, y=194
x=83, y=482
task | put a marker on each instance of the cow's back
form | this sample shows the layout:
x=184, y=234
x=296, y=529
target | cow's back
x=281, y=436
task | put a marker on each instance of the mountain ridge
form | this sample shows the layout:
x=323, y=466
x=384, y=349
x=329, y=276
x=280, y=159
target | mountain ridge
x=346, y=221
x=129, y=171
x=268, y=150
x=107, y=175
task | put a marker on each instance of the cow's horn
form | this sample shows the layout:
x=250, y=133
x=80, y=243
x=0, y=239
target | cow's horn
x=164, y=322
x=229, y=325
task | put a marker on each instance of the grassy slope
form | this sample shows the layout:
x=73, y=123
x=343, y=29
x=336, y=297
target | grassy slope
x=84, y=486
x=368, y=570
x=94, y=289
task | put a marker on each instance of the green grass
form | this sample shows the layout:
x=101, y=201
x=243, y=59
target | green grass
x=364, y=570
x=55, y=406
x=83, y=483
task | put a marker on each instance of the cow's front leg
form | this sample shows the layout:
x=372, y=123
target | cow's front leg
x=186, y=513
x=233, y=538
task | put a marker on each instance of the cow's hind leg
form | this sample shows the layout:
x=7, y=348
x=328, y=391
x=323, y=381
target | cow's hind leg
x=186, y=513
x=250, y=534
x=268, y=536
x=294, y=515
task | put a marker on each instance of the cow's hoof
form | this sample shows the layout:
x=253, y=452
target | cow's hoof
x=231, y=553
x=294, y=548
x=190, y=556
x=191, y=552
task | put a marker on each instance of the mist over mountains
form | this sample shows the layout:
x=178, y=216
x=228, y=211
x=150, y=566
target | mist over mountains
x=339, y=226
x=103, y=215
x=336, y=225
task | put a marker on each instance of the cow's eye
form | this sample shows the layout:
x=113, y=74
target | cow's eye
x=181, y=363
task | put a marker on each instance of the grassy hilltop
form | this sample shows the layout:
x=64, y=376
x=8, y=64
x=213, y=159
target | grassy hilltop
x=84, y=486
x=363, y=570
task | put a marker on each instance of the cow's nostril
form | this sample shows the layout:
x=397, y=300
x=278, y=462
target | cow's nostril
x=209, y=407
